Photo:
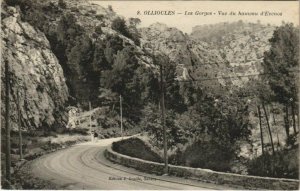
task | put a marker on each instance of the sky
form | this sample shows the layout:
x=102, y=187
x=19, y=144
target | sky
x=289, y=10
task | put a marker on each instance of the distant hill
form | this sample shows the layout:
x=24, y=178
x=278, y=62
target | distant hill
x=82, y=43
x=213, y=51
x=241, y=44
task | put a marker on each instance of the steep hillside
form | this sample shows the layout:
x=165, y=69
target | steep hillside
x=82, y=38
x=213, y=54
x=78, y=67
x=96, y=54
x=78, y=52
x=35, y=74
x=170, y=41
x=193, y=60
x=180, y=49
x=241, y=44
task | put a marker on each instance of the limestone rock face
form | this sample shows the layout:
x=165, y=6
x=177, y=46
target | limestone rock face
x=170, y=41
x=193, y=60
x=82, y=39
x=56, y=52
x=241, y=44
x=35, y=75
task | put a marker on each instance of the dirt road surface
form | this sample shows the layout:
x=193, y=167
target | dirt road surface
x=83, y=166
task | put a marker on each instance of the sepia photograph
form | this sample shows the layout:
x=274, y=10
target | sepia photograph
x=149, y=95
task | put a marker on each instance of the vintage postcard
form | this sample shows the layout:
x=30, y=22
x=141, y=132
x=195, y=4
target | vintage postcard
x=149, y=95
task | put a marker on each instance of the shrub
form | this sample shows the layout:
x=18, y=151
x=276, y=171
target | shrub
x=152, y=125
x=119, y=25
x=135, y=147
x=205, y=154
x=62, y=4
x=284, y=164
x=99, y=17
x=92, y=11
x=110, y=8
x=98, y=29
x=79, y=131
x=74, y=9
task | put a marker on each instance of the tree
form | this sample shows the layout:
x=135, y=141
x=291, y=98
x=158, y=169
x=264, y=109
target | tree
x=110, y=8
x=107, y=97
x=261, y=131
x=98, y=30
x=99, y=62
x=134, y=21
x=151, y=123
x=123, y=80
x=134, y=33
x=225, y=118
x=68, y=29
x=174, y=99
x=281, y=66
x=113, y=44
x=131, y=32
x=119, y=25
x=261, y=94
x=269, y=128
x=62, y=4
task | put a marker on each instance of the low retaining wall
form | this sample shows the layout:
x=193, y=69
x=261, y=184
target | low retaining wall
x=206, y=175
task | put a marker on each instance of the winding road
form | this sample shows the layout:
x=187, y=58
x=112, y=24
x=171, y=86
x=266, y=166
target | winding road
x=83, y=166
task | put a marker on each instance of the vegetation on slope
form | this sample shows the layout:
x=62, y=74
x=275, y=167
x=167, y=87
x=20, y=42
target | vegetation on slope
x=207, y=115
x=132, y=145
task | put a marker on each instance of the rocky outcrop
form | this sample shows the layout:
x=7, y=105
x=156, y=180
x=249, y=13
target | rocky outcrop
x=35, y=75
x=57, y=52
x=61, y=48
x=186, y=54
x=171, y=41
x=194, y=60
x=213, y=51
x=241, y=44
x=82, y=39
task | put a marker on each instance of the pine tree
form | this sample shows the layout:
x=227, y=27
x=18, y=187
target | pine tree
x=281, y=64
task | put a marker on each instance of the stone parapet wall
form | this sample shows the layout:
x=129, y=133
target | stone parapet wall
x=206, y=175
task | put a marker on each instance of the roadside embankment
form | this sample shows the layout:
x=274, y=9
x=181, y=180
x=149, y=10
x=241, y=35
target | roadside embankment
x=248, y=182
x=21, y=177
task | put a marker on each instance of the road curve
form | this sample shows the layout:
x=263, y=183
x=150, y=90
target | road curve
x=83, y=166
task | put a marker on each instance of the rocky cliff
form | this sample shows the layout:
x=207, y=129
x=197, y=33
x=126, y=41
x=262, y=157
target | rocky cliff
x=57, y=52
x=213, y=51
x=82, y=38
x=182, y=51
x=35, y=74
x=195, y=60
x=241, y=44
x=68, y=50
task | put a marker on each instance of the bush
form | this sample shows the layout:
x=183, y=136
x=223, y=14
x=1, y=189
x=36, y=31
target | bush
x=153, y=126
x=62, y=4
x=92, y=12
x=205, y=154
x=74, y=9
x=135, y=147
x=98, y=29
x=110, y=8
x=99, y=17
x=284, y=164
x=80, y=131
x=119, y=25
